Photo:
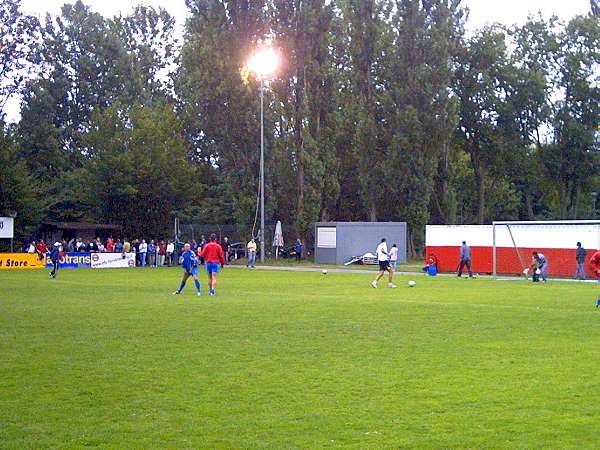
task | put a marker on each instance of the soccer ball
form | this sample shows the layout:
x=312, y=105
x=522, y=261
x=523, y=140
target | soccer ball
x=324, y=271
x=412, y=283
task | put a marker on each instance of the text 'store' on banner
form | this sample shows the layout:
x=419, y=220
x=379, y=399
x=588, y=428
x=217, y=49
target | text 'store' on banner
x=16, y=261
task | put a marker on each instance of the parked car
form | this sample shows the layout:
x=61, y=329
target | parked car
x=236, y=250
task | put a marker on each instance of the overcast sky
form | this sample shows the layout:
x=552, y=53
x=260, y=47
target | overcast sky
x=482, y=11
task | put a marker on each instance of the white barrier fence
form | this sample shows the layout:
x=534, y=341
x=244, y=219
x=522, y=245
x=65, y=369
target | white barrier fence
x=112, y=260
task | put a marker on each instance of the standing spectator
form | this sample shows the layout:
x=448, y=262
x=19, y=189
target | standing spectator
x=31, y=248
x=100, y=245
x=170, y=251
x=71, y=245
x=143, y=250
x=135, y=247
x=465, y=259
x=580, y=258
x=152, y=254
x=162, y=251
x=92, y=247
x=225, y=247
x=177, y=251
x=126, y=246
x=79, y=246
x=110, y=245
x=201, y=245
x=41, y=247
x=298, y=249
x=119, y=246
x=251, y=247
x=394, y=257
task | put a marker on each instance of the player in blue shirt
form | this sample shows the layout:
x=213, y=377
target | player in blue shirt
x=189, y=262
x=55, y=258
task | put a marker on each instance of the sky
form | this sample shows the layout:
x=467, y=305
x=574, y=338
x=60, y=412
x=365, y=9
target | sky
x=482, y=12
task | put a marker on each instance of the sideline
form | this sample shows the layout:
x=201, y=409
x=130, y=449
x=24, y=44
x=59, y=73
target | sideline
x=400, y=273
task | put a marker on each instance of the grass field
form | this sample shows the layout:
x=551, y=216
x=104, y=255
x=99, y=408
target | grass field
x=111, y=359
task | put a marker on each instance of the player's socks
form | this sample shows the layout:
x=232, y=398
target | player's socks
x=181, y=286
x=197, y=283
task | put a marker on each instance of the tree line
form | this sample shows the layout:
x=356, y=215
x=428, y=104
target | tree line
x=381, y=110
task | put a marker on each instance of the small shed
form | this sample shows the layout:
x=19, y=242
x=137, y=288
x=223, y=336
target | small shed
x=337, y=242
x=55, y=231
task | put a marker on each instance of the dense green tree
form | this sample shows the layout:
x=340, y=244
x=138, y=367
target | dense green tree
x=529, y=85
x=19, y=191
x=420, y=109
x=138, y=174
x=219, y=111
x=571, y=160
x=19, y=36
x=148, y=37
x=364, y=29
x=483, y=64
x=302, y=30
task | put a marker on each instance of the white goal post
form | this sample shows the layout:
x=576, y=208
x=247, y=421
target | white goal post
x=554, y=235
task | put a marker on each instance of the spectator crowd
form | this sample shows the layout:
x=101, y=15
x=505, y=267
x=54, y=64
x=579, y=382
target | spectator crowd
x=151, y=253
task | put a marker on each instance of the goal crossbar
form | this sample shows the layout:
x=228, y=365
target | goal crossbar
x=509, y=223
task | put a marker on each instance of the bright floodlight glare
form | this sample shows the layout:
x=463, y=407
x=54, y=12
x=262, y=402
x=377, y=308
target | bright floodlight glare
x=264, y=62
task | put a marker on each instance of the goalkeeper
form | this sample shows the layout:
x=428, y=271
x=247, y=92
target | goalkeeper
x=539, y=267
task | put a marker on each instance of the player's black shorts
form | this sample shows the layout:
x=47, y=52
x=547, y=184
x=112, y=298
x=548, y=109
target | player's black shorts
x=384, y=265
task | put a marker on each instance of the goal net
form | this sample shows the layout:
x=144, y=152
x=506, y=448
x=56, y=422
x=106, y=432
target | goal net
x=514, y=242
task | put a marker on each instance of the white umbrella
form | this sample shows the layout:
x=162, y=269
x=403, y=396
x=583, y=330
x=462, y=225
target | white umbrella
x=278, y=238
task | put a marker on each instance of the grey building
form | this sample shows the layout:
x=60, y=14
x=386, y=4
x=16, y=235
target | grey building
x=337, y=242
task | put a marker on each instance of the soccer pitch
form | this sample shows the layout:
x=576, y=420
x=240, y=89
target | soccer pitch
x=110, y=358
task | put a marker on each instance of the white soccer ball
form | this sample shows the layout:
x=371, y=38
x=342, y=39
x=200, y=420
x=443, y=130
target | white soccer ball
x=538, y=271
x=412, y=283
x=324, y=271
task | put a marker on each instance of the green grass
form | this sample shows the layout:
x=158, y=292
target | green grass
x=111, y=359
x=410, y=266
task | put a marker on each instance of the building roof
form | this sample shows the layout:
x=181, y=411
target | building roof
x=81, y=226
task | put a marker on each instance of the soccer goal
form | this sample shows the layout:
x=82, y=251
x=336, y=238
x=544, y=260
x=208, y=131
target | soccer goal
x=514, y=241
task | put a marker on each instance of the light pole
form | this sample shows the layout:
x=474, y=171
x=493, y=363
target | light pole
x=264, y=64
x=262, y=171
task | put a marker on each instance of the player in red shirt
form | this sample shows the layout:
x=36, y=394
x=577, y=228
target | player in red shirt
x=595, y=263
x=215, y=260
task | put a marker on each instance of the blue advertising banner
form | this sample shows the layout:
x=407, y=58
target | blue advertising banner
x=72, y=261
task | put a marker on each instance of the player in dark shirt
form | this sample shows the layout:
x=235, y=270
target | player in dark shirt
x=55, y=258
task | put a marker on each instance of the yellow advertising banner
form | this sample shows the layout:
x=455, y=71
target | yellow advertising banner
x=21, y=261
